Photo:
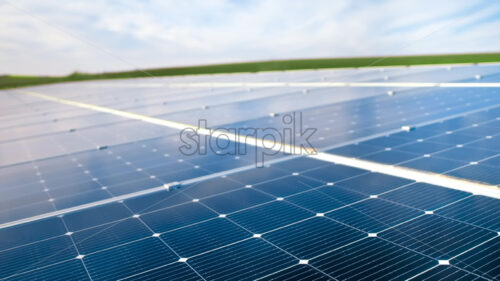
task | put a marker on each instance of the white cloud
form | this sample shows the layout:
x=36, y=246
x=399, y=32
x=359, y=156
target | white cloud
x=57, y=37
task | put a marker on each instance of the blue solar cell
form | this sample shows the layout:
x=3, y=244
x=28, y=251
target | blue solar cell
x=224, y=165
x=300, y=164
x=287, y=186
x=452, y=139
x=122, y=178
x=342, y=195
x=175, y=217
x=133, y=186
x=26, y=211
x=354, y=150
x=109, y=235
x=425, y=196
x=481, y=173
x=68, y=270
x=465, y=154
x=236, y=200
x=36, y=255
x=438, y=237
x=372, y=259
x=247, y=260
x=315, y=201
x=80, y=199
x=433, y=164
x=425, y=147
x=254, y=176
x=18, y=197
x=210, y=187
x=182, y=175
x=112, y=170
x=269, y=216
x=492, y=143
x=157, y=200
x=298, y=272
x=96, y=216
x=447, y=273
x=30, y=232
x=448, y=125
x=192, y=240
x=374, y=215
x=373, y=183
x=482, y=260
x=334, y=173
x=480, y=130
x=162, y=167
x=386, y=141
x=178, y=271
x=68, y=181
x=495, y=162
x=419, y=133
x=129, y=259
x=390, y=157
x=477, y=210
x=313, y=237
x=74, y=188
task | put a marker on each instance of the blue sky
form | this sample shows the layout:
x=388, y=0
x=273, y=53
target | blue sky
x=59, y=37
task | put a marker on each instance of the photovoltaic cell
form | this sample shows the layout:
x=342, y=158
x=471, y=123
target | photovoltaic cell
x=68, y=270
x=373, y=183
x=312, y=237
x=482, y=260
x=476, y=210
x=299, y=272
x=205, y=236
x=175, y=217
x=437, y=237
x=447, y=273
x=374, y=215
x=287, y=186
x=176, y=271
x=128, y=259
x=425, y=196
x=32, y=256
x=371, y=259
x=246, y=260
x=109, y=235
x=259, y=220
x=236, y=200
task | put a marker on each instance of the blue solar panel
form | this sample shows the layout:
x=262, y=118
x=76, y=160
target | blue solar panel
x=96, y=197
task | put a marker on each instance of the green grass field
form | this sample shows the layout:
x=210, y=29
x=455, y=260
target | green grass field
x=12, y=81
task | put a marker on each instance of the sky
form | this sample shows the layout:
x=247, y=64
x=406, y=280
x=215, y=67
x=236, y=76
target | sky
x=53, y=37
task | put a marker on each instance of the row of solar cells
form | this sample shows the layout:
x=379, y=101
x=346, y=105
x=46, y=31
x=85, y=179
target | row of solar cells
x=465, y=147
x=48, y=187
x=71, y=180
x=372, y=115
x=348, y=121
x=300, y=216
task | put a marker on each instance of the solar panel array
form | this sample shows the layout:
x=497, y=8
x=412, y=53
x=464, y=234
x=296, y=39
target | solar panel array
x=89, y=195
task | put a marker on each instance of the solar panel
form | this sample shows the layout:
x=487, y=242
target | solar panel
x=96, y=188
